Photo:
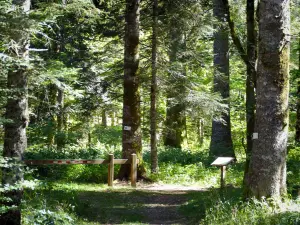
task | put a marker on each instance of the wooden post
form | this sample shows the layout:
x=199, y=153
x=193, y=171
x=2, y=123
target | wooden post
x=133, y=170
x=223, y=173
x=111, y=170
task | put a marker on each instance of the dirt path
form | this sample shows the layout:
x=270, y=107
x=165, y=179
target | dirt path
x=165, y=203
x=148, y=204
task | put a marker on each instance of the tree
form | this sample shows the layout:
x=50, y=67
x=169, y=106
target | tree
x=131, y=138
x=154, y=158
x=249, y=58
x=15, y=140
x=60, y=136
x=297, y=135
x=175, y=113
x=221, y=141
x=251, y=76
x=267, y=171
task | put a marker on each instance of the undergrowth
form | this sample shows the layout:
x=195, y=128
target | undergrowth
x=53, y=203
x=255, y=212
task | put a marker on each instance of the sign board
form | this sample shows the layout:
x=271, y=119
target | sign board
x=127, y=128
x=254, y=136
x=222, y=161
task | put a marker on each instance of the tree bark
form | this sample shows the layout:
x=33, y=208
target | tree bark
x=297, y=135
x=250, y=82
x=52, y=125
x=221, y=141
x=200, y=131
x=267, y=171
x=154, y=157
x=60, y=136
x=131, y=138
x=175, y=115
x=15, y=140
x=104, y=119
x=112, y=117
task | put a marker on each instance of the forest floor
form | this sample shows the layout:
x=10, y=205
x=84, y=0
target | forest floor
x=147, y=204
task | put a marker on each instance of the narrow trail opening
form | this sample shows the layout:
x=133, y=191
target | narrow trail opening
x=149, y=204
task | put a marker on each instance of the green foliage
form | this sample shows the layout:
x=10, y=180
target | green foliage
x=108, y=135
x=183, y=166
x=263, y=212
x=39, y=210
x=11, y=165
x=173, y=173
x=293, y=170
x=79, y=173
x=181, y=156
x=47, y=217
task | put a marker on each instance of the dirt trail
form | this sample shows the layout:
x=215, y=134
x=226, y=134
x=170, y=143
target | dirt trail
x=148, y=204
x=166, y=203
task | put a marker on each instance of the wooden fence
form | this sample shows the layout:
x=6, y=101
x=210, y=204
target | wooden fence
x=111, y=161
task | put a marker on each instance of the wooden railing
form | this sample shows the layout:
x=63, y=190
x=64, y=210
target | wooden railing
x=111, y=161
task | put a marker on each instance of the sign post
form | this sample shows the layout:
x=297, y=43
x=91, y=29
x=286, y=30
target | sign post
x=222, y=162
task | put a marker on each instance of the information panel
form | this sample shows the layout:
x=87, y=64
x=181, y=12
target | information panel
x=222, y=161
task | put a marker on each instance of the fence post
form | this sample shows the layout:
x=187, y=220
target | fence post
x=133, y=170
x=223, y=172
x=111, y=170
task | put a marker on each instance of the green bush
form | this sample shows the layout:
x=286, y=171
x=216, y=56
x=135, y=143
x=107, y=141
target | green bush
x=293, y=169
x=47, y=217
x=179, y=156
x=255, y=212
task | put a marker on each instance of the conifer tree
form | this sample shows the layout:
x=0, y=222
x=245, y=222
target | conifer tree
x=15, y=140
x=267, y=171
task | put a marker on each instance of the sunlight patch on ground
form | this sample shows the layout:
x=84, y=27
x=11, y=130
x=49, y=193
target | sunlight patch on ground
x=170, y=187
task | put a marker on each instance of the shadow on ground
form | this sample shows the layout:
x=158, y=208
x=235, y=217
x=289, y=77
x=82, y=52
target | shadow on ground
x=119, y=206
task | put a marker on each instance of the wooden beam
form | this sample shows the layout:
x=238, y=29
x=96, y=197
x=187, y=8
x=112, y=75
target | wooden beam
x=75, y=161
x=111, y=170
x=133, y=170
x=223, y=173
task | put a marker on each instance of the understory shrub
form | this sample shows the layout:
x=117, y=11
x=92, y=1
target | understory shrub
x=255, y=212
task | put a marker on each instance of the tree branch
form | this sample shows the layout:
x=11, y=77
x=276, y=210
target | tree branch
x=237, y=42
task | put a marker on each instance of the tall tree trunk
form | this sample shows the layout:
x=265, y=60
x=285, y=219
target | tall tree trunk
x=131, y=138
x=104, y=119
x=89, y=130
x=249, y=59
x=267, y=171
x=60, y=136
x=200, y=131
x=52, y=126
x=175, y=116
x=221, y=141
x=297, y=135
x=15, y=141
x=250, y=82
x=154, y=158
x=112, y=117
x=175, y=121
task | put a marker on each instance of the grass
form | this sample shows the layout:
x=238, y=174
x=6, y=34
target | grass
x=77, y=194
x=97, y=204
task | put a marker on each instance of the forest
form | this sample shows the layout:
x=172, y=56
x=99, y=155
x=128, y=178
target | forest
x=149, y=93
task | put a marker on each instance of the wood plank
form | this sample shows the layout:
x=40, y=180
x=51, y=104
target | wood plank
x=75, y=161
x=222, y=161
x=111, y=170
x=133, y=170
x=223, y=173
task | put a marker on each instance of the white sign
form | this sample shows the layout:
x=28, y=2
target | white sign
x=222, y=161
x=127, y=128
x=254, y=136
